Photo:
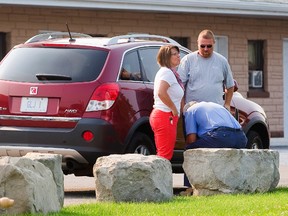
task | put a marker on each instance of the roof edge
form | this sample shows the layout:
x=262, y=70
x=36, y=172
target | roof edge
x=276, y=8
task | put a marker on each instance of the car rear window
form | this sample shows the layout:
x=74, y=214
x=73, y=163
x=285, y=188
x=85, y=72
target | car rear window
x=52, y=65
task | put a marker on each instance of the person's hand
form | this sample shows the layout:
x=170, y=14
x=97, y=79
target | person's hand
x=188, y=105
x=175, y=112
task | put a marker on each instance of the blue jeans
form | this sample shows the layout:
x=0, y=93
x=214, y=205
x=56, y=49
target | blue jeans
x=221, y=137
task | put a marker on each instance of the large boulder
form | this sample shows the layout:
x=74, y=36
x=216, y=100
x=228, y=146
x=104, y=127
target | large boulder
x=214, y=171
x=133, y=177
x=30, y=184
x=54, y=163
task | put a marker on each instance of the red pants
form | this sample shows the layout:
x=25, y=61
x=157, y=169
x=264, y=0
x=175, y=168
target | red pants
x=164, y=125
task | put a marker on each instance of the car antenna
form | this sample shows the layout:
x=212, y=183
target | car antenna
x=71, y=39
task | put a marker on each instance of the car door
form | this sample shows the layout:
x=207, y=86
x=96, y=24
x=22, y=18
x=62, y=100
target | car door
x=150, y=66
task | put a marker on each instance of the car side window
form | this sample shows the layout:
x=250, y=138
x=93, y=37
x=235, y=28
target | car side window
x=149, y=63
x=148, y=58
x=131, y=67
x=183, y=53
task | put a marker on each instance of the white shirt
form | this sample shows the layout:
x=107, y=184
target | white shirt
x=175, y=91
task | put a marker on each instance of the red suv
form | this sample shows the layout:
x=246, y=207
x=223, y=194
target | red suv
x=85, y=97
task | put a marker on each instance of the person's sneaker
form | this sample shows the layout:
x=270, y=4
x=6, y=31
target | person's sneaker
x=187, y=192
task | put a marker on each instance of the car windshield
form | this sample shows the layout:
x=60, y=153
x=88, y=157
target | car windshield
x=52, y=65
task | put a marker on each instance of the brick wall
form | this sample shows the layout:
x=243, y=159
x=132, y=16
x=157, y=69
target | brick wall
x=21, y=23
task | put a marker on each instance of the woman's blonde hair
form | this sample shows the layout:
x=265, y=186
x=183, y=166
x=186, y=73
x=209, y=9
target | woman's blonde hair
x=164, y=55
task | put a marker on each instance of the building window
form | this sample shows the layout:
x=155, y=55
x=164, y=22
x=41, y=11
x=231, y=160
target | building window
x=2, y=45
x=97, y=35
x=256, y=68
x=221, y=45
x=183, y=41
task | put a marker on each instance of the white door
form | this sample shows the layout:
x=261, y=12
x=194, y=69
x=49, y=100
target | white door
x=285, y=87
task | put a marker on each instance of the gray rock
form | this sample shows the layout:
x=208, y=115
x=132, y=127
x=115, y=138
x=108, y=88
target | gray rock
x=30, y=184
x=54, y=163
x=133, y=178
x=214, y=171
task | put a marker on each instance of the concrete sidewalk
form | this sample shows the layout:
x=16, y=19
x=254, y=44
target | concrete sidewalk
x=278, y=142
x=281, y=145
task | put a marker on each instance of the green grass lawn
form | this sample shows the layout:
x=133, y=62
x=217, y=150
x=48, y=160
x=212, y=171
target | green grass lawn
x=271, y=203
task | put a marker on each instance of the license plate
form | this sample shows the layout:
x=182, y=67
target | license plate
x=29, y=104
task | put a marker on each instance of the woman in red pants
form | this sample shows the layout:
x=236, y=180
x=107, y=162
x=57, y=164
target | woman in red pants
x=168, y=95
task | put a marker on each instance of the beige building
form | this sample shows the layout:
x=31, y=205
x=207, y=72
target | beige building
x=252, y=34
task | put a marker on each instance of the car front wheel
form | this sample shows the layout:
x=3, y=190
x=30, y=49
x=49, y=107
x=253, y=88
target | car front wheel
x=254, y=140
x=141, y=143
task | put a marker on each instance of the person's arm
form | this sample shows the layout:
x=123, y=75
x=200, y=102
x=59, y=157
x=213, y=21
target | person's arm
x=228, y=97
x=165, y=98
x=190, y=126
x=135, y=76
x=190, y=138
x=229, y=81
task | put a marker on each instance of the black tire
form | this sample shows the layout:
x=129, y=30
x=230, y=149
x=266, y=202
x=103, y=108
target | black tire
x=141, y=143
x=254, y=140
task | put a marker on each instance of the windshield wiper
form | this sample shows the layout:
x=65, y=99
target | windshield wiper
x=53, y=77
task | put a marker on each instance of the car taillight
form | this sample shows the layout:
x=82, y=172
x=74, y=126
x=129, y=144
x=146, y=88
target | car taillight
x=103, y=97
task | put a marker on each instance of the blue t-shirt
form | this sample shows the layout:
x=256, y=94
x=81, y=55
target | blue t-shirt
x=206, y=116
